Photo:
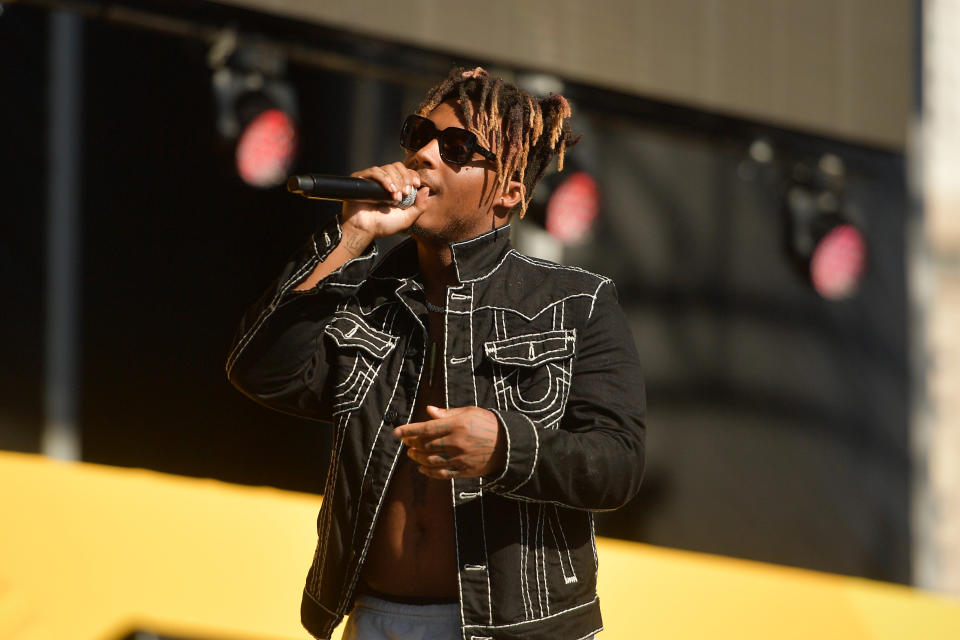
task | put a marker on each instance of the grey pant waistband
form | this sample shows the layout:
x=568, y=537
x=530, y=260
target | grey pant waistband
x=366, y=601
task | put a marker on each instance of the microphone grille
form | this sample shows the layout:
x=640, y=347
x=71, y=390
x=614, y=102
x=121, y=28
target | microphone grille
x=408, y=200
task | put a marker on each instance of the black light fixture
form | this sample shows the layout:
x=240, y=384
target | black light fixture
x=825, y=245
x=257, y=108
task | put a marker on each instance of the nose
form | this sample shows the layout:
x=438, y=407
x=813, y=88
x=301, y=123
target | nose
x=426, y=156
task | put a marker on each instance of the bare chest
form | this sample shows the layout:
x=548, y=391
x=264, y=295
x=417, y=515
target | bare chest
x=413, y=552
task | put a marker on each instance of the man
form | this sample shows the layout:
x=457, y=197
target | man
x=484, y=403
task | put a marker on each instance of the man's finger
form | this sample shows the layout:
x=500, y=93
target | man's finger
x=440, y=447
x=441, y=473
x=436, y=412
x=421, y=458
x=428, y=429
x=431, y=444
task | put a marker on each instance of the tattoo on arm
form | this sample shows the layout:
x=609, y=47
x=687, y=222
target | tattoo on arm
x=354, y=244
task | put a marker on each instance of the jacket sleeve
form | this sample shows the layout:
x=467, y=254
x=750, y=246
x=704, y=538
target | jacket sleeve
x=594, y=460
x=277, y=357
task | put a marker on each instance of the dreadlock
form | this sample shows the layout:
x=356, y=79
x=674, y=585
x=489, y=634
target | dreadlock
x=523, y=131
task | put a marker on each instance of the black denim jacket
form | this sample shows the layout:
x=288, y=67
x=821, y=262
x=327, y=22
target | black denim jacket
x=543, y=346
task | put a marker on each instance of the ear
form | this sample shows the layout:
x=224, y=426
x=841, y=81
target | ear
x=512, y=196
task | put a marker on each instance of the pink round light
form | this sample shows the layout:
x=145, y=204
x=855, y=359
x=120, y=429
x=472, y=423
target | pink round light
x=573, y=207
x=266, y=148
x=838, y=262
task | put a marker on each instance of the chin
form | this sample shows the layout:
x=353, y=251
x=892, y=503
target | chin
x=445, y=233
x=426, y=234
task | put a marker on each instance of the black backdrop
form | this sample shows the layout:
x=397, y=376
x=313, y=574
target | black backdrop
x=778, y=422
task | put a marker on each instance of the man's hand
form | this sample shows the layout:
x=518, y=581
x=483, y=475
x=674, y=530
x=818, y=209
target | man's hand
x=458, y=443
x=368, y=220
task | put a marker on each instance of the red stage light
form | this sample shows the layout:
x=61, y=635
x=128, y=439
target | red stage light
x=266, y=149
x=572, y=208
x=838, y=262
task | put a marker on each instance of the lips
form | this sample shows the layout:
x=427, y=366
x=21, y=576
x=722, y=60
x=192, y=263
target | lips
x=422, y=194
x=431, y=189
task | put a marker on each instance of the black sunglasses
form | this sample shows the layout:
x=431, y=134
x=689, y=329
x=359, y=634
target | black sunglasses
x=457, y=145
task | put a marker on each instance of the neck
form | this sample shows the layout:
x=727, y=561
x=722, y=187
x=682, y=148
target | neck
x=436, y=269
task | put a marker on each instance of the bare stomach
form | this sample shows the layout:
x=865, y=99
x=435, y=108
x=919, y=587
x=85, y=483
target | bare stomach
x=413, y=553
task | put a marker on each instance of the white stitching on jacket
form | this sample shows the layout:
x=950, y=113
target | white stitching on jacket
x=473, y=378
x=500, y=407
x=556, y=541
x=546, y=264
x=321, y=604
x=264, y=314
x=346, y=378
x=352, y=397
x=536, y=452
x=596, y=292
x=566, y=545
x=486, y=560
x=540, y=561
x=328, y=495
x=541, y=504
x=543, y=411
x=378, y=343
x=352, y=390
x=516, y=624
x=391, y=317
x=484, y=236
x=562, y=344
x=507, y=456
x=308, y=266
x=546, y=411
x=483, y=524
x=593, y=542
x=489, y=273
x=524, y=546
x=366, y=543
x=331, y=487
x=456, y=542
x=517, y=312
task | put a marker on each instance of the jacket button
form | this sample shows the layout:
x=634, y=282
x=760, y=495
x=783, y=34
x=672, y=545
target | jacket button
x=390, y=417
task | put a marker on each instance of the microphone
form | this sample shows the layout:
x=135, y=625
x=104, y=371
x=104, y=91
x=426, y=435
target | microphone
x=321, y=187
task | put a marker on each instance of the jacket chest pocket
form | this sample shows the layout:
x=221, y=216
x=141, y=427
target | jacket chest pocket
x=531, y=373
x=361, y=351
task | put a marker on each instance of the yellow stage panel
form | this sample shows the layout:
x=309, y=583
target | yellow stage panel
x=93, y=552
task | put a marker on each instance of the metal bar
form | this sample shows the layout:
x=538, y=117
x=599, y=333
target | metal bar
x=61, y=434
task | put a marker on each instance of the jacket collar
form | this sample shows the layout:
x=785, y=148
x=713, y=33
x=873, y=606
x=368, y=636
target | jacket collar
x=476, y=258
x=473, y=259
